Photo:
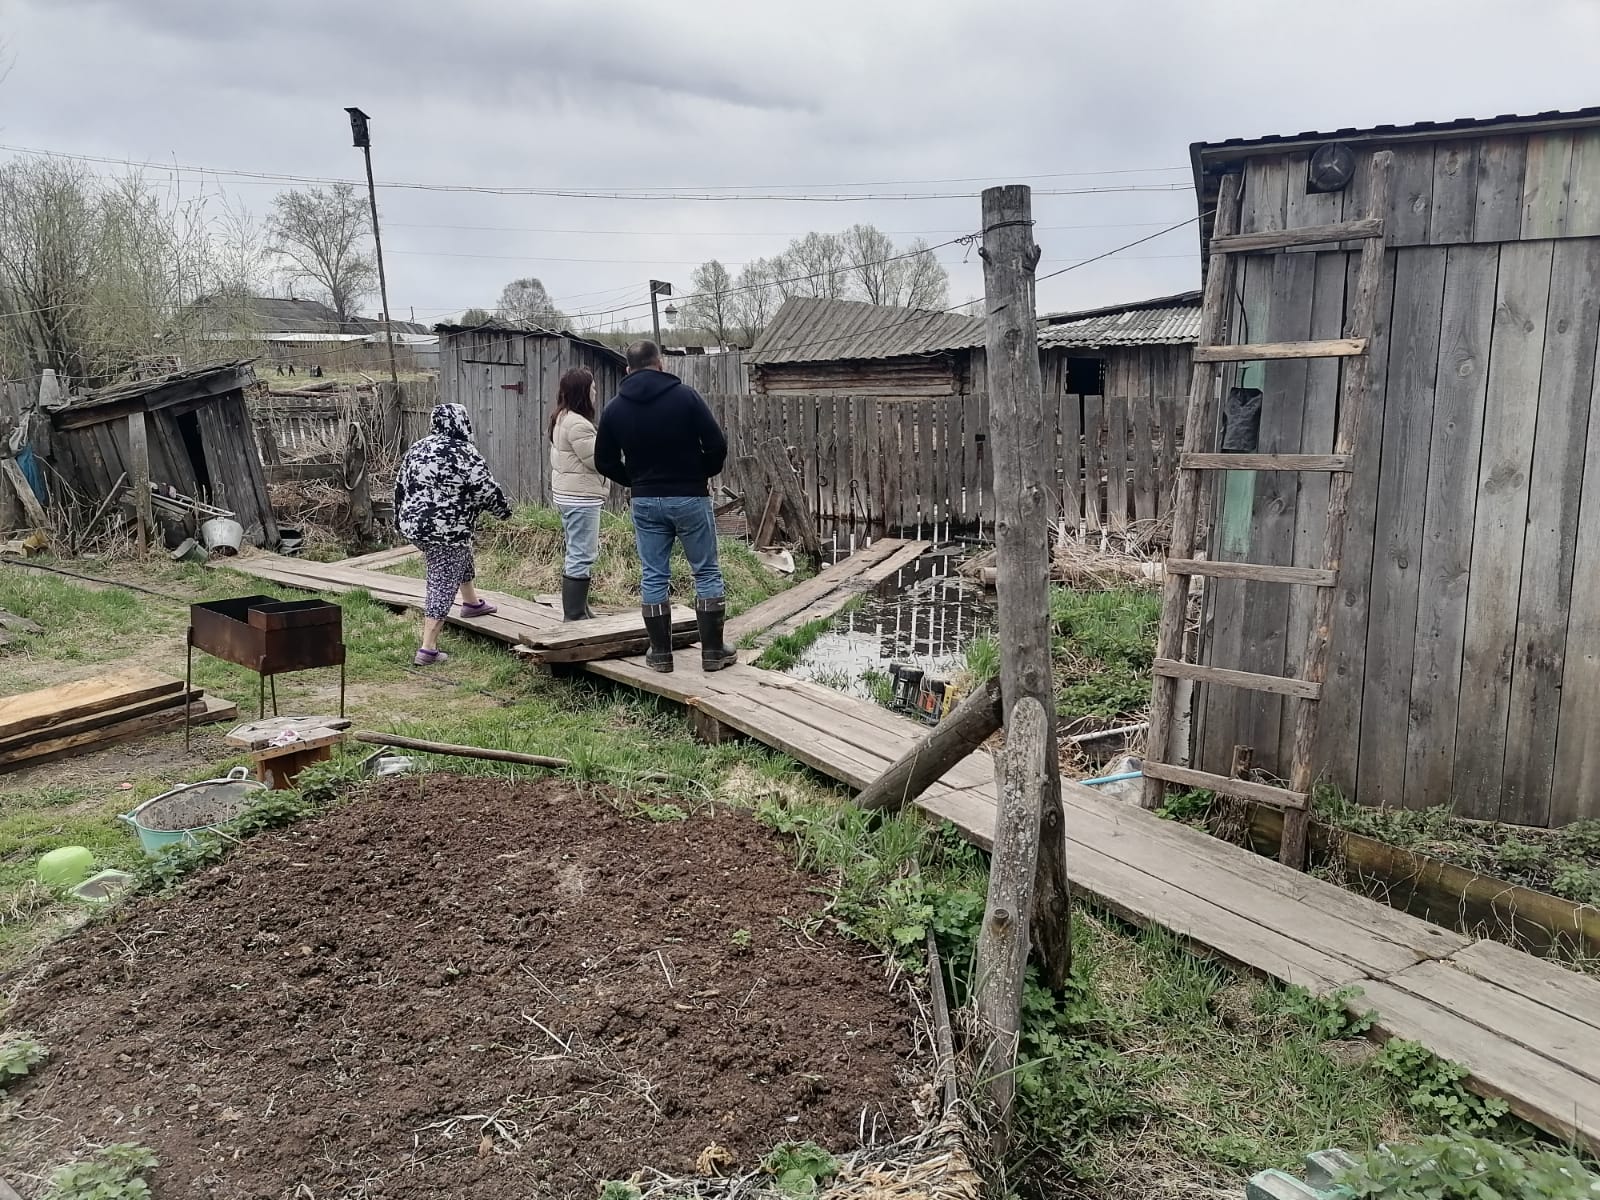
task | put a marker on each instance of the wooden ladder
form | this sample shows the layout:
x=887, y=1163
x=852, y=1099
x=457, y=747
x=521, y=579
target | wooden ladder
x=1196, y=466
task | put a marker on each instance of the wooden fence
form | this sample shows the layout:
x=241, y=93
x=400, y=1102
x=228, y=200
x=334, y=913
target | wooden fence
x=903, y=463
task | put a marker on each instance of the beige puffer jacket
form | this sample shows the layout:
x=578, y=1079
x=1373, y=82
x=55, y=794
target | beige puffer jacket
x=572, y=470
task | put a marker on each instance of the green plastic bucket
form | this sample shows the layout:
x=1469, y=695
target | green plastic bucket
x=183, y=815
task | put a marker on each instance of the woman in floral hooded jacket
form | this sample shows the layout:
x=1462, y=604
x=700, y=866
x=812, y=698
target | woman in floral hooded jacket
x=442, y=488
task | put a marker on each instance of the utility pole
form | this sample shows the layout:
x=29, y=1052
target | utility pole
x=657, y=288
x=363, y=141
x=1018, y=439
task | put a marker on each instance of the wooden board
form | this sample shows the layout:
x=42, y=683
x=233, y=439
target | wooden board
x=207, y=711
x=1402, y=494
x=1455, y=192
x=1501, y=164
x=1556, y=988
x=802, y=595
x=600, y=637
x=1452, y=495
x=1515, y=359
x=1260, y=351
x=69, y=701
x=1566, y=381
x=21, y=743
x=1544, y=185
x=382, y=559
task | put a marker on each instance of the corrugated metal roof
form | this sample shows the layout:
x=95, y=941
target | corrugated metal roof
x=1167, y=321
x=807, y=330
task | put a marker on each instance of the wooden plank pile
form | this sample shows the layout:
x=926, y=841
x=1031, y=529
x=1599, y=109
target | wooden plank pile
x=76, y=718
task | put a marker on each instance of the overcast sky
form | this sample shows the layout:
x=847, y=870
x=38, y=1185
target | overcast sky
x=800, y=97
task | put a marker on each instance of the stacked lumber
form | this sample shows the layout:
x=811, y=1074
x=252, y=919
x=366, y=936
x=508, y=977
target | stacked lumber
x=83, y=716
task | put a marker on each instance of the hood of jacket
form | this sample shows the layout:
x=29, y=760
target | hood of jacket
x=644, y=386
x=451, y=421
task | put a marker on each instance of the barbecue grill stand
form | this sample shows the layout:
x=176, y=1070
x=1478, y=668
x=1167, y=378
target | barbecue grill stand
x=268, y=636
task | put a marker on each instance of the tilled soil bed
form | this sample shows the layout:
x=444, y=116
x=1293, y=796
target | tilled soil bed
x=465, y=988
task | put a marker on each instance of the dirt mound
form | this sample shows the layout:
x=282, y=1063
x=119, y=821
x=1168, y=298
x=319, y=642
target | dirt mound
x=466, y=988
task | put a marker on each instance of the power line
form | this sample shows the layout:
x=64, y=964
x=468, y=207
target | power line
x=730, y=233
x=712, y=193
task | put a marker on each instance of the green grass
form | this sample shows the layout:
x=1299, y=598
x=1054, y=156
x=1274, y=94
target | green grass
x=1104, y=647
x=788, y=649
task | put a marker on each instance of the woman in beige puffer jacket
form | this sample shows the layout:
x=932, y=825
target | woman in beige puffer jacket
x=577, y=488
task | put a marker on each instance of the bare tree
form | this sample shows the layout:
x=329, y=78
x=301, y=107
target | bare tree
x=320, y=236
x=710, y=303
x=870, y=250
x=821, y=265
x=526, y=302
x=476, y=316
x=755, y=299
x=239, y=243
x=923, y=281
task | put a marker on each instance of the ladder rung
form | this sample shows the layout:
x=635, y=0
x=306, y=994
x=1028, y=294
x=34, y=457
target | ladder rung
x=1244, y=789
x=1311, y=576
x=1333, y=348
x=1279, y=685
x=1195, y=461
x=1311, y=235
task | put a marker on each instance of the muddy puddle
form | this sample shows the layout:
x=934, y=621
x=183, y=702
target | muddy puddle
x=925, y=616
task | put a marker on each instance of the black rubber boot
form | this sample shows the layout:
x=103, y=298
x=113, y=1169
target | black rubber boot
x=574, y=599
x=714, y=655
x=658, y=624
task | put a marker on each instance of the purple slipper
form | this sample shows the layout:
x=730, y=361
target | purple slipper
x=481, y=609
x=431, y=658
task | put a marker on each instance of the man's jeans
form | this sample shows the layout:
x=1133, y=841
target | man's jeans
x=657, y=520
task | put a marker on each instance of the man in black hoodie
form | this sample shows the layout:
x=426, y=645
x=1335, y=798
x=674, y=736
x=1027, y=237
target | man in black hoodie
x=658, y=438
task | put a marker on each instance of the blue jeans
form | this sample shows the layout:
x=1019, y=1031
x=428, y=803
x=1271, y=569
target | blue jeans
x=581, y=524
x=657, y=520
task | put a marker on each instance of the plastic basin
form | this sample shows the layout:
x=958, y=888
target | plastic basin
x=185, y=814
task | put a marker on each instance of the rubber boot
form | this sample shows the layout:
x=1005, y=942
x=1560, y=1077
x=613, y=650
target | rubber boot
x=658, y=624
x=711, y=612
x=574, y=599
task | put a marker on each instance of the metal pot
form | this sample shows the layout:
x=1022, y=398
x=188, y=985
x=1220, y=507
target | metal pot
x=190, y=810
x=222, y=534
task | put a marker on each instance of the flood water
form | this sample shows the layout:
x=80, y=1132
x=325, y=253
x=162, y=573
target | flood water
x=924, y=616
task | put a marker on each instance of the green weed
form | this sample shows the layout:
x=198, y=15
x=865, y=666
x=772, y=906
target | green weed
x=740, y=939
x=1467, y=1168
x=800, y=1168
x=1104, y=648
x=20, y=1053
x=1432, y=1089
x=617, y=1189
x=114, y=1172
x=1328, y=1018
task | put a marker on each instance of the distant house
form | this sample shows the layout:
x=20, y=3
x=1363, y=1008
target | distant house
x=307, y=332
x=506, y=377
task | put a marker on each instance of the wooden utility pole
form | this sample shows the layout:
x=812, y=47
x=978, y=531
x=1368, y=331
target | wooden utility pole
x=1020, y=441
x=363, y=141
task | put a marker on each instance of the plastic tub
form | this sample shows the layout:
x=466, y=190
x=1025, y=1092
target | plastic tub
x=181, y=816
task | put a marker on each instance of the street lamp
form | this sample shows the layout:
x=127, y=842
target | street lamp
x=658, y=288
x=362, y=140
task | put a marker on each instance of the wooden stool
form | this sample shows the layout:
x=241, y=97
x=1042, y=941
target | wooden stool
x=279, y=766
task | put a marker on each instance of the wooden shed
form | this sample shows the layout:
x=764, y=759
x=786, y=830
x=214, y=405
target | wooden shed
x=821, y=347
x=506, y=377
x=1465, y=665
x=199, y=437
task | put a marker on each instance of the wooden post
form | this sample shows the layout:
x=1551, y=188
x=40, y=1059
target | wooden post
x=966, y=728
x=139, y=468
x=1022, y=783
x=1019, y=438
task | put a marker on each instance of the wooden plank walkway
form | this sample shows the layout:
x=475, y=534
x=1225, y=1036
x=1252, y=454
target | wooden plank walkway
x=826, y=592
x=1526, y=1029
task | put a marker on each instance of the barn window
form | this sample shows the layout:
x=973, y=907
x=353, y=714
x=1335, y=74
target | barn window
x=1086, y=376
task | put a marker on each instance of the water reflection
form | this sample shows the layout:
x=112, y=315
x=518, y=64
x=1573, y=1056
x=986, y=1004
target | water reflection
x=925, y=616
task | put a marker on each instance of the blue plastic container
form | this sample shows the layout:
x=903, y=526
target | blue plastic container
x=183, y=815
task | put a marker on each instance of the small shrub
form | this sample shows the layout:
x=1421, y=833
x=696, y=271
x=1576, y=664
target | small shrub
x=1516, y=855
x=1431, y=1087
x=800, y=1168
x=1577, y=882
x=19, y=1054
x=1328, y=1017
x=113, y=1172
x=1468, y=1168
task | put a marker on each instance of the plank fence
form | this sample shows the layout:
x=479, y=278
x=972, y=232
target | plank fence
x=878, y=463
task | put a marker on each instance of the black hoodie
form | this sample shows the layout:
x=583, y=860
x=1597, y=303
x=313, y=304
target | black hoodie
x=657, y=437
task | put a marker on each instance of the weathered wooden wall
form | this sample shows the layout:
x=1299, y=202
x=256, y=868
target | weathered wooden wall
x=947, y=374
x=1465, y=665
x=508, y=382
x=708, y=373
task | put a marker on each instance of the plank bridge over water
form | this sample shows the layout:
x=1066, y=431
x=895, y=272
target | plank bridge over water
x=1526, y=1029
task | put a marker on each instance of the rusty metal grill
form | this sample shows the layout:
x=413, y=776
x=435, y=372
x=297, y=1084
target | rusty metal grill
x=270, y=637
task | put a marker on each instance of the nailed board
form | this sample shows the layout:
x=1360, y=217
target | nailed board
x=205, y=711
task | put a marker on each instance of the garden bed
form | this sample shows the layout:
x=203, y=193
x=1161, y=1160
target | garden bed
x=468, y=987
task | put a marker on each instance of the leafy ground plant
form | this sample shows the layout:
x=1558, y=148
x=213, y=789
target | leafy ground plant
x=114, y=1172
x=1433, y=1089
x=1468, y=1168
x=20, y=1053
x=800, y=1168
